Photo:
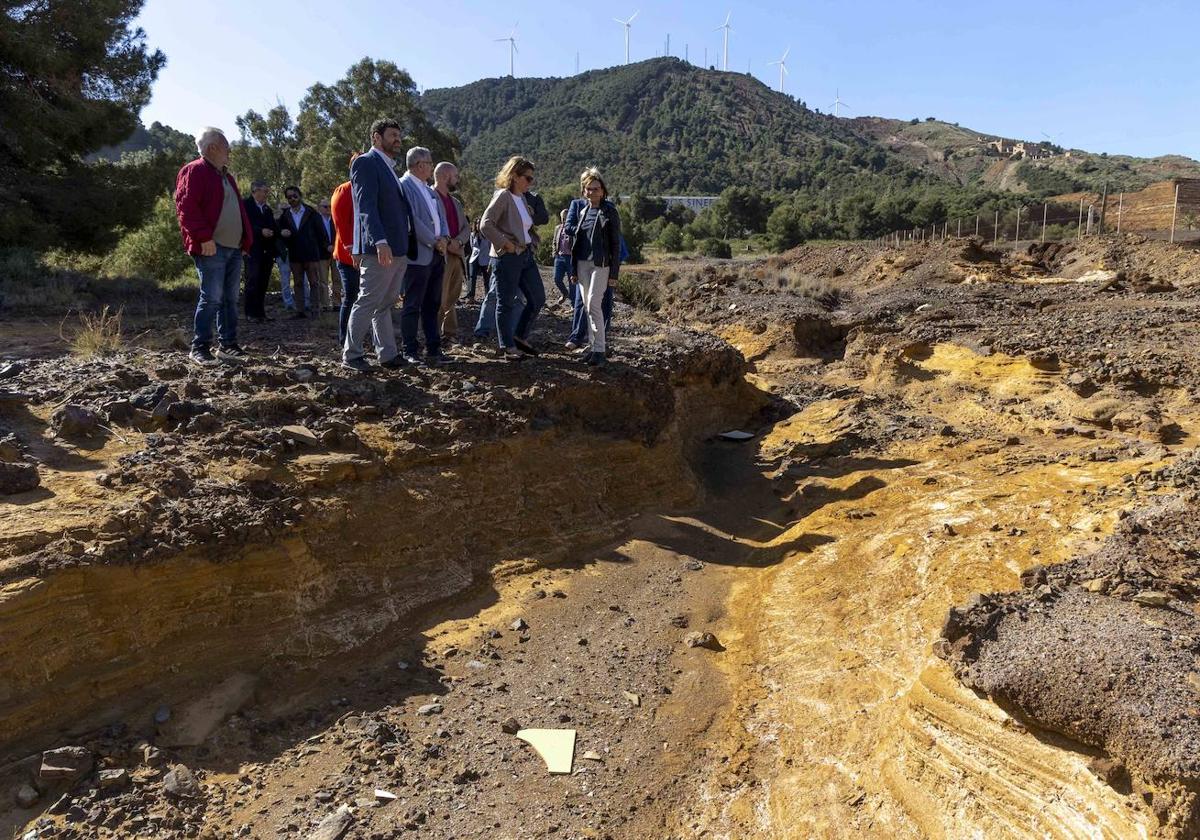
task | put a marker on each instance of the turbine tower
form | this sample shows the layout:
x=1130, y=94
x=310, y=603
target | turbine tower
x=728, y=29
x=626, y=24
x=837, y=103
x=512, y=47
x=782, y=67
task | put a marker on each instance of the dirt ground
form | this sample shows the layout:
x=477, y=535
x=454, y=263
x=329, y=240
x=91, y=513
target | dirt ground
x=949, y=579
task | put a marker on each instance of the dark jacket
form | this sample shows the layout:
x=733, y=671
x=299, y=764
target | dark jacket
x=381, y=211
x=199, y=195
x=308, y=242
x=606, y=235
x=259, y=219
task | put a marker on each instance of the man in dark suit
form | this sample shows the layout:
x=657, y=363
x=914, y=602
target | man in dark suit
x=307, y=245
x=261, y=258
x=380, y=246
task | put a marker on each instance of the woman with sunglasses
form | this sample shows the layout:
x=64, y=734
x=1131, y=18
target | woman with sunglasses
x=507, y=223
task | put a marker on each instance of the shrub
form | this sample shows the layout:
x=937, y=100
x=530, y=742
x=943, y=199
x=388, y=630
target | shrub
x=97, y=334
x=713, y=247
x=671, y=238
x=154, y=251
x=639, y=291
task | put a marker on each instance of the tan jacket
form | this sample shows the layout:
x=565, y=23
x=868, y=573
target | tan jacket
x=501, y=223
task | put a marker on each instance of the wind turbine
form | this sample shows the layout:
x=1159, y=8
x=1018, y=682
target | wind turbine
x=782, y=67
x=512, y=47
x=728, y=29
x=837, y=103
x=626, y=24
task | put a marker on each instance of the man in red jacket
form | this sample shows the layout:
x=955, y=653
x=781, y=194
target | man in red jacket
x=342, y=213
x=216, y=232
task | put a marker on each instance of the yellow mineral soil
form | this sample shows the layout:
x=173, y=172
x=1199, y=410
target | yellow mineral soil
x=843, y=722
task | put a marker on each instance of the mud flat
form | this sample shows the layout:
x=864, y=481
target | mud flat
x=972, y=421
x=948, y=580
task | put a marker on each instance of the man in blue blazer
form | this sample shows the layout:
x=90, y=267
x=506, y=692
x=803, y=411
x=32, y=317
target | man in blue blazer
x=380, y=246
x=423, y=276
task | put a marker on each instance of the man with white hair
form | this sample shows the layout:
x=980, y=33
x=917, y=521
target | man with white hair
x=216, y=232
x=458, y=229
x=423, y=276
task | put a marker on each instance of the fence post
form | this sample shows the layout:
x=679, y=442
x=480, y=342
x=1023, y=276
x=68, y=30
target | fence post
x=1017, y=236
x=1103, y=210
x=976, y=225
x=1079, y=235
x=1175, y=211
x=1120, y=207
x=959, y=235
x=996, y=229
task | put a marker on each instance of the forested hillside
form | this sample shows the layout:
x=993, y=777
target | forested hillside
x=661, y=125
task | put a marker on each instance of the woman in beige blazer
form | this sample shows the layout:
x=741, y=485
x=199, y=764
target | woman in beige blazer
x=508, y=224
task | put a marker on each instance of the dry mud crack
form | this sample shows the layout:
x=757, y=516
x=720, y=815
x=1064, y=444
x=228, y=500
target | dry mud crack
x=950, y=579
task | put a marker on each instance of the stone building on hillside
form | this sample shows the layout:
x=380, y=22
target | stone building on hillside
x=1018, y=149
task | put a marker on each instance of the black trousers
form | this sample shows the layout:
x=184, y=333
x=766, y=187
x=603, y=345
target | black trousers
x=258, y=277
x=422, y=300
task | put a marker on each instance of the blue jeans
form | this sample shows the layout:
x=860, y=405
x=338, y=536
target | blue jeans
x=220, y=277
x=562, y=270
x=579, y=320
x=285, y=281
x=349, y=275
x=487, y=309
x=517, y=273
x=422, y=300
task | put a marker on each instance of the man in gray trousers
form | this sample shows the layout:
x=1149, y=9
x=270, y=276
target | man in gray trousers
x=423, y=276
x=380, y=247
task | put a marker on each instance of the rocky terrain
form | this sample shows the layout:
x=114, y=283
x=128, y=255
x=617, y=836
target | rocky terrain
x=942, y=586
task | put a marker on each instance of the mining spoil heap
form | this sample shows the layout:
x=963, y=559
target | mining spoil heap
x=950, y=581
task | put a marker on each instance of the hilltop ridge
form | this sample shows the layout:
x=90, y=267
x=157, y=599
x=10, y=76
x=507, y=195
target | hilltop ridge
x=666, y=125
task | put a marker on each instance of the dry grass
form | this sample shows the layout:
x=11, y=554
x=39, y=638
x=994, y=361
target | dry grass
x=95, y=334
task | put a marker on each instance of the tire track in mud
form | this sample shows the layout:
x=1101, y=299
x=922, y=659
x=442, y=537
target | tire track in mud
x=846, y=722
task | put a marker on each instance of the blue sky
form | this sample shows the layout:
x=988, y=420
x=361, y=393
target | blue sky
x=1111, y=76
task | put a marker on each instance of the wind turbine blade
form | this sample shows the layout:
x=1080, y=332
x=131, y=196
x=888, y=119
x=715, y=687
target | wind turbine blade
x=618, y=20
x=785, y=54
x=728, y=17
x=635, y=14
x=783, y=67
x=514, y=46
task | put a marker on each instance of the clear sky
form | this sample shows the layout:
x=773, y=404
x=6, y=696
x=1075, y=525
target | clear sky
x=1107, y=75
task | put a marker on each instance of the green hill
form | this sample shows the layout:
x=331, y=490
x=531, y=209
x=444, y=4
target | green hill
x=664, y=125
x=661, y=125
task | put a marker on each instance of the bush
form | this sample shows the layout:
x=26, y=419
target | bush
x=671, y=238
x=638, y=291
x=154, y=251
x=635, y=239
x=714, y=247
x=544, y=253
x=97, y=334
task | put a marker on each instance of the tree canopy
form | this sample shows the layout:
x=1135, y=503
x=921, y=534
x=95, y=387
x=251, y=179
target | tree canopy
x=332, y=122
x=74, y=75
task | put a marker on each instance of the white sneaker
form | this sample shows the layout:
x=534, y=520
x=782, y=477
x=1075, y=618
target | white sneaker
x=571, y=345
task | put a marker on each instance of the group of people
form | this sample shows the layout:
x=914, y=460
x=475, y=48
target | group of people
x=397, y=239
